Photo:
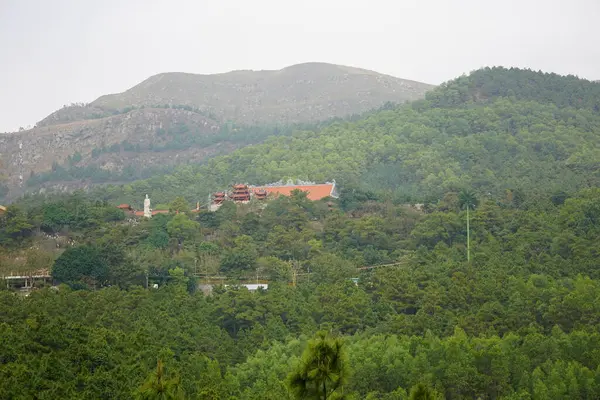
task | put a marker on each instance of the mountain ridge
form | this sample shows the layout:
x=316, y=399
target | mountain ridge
x=195, y=116
x=233, y=95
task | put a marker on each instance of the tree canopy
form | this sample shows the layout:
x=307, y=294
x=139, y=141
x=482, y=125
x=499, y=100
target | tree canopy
x=369, y=296
x=495, y=130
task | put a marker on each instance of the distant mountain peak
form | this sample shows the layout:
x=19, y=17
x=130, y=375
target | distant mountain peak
x=304, y=92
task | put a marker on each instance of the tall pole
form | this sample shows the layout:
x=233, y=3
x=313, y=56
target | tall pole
x=468, y=236
x=293, y=278
x=206, y=270
x=294, y=273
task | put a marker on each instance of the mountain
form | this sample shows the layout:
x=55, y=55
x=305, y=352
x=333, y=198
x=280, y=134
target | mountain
x=499, y=131
x=175, y=118
x=300, y=93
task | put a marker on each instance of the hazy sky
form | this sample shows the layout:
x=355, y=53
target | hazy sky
x=55, y=52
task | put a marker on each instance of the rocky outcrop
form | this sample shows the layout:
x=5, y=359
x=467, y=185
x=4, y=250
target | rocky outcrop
x=36, y=150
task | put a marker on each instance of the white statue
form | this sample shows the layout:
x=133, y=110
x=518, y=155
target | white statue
x=147, y=212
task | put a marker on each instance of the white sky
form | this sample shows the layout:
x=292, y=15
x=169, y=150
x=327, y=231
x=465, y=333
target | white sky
x=55, y=52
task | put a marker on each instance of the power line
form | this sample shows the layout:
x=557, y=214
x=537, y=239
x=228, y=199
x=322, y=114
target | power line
x=381, y=265
x=295, y=274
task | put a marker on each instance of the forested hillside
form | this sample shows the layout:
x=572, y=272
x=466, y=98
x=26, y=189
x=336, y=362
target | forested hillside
x=488, y=290
x=520, y=321
x=494, y=130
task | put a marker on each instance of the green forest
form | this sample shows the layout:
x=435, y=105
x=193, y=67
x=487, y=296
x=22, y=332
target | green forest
x=489, y=288
x=179, y=137
x=495, y=130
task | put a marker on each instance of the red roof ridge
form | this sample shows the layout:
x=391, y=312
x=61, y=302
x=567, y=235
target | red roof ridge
x=316, y=191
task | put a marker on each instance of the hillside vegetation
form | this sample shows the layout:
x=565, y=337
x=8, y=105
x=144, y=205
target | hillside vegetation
x=521, y=320
x=489, y=291
x=496, y=130
x=174, y=119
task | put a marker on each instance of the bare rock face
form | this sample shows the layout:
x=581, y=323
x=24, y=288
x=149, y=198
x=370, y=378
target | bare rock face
x=189, y=104
x=36, y=150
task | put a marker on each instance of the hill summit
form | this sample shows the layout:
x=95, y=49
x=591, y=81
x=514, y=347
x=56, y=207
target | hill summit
x=299, y=93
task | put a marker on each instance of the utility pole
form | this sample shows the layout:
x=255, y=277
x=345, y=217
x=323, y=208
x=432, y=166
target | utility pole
x=205, y=270
x=468, y=237
x=468, y=200
x=294, y=278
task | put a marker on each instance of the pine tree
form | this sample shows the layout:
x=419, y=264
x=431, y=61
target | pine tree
x=423, y=392
x=323, y=369
x=159, y=387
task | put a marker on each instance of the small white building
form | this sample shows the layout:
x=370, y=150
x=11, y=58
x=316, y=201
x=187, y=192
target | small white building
x=252, y=286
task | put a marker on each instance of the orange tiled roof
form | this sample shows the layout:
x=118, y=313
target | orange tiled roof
x=154, y=212
x=315, y=192
x=2, y=209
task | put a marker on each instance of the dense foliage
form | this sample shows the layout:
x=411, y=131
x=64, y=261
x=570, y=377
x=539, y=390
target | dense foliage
x=493, y=130
x=490, y=290
x=521, y=318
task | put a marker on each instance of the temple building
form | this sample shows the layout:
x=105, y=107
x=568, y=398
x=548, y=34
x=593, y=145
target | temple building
x=125, y=207
x=314, y=191
x=260, y=194
x=216, y=200
x=242, y=193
